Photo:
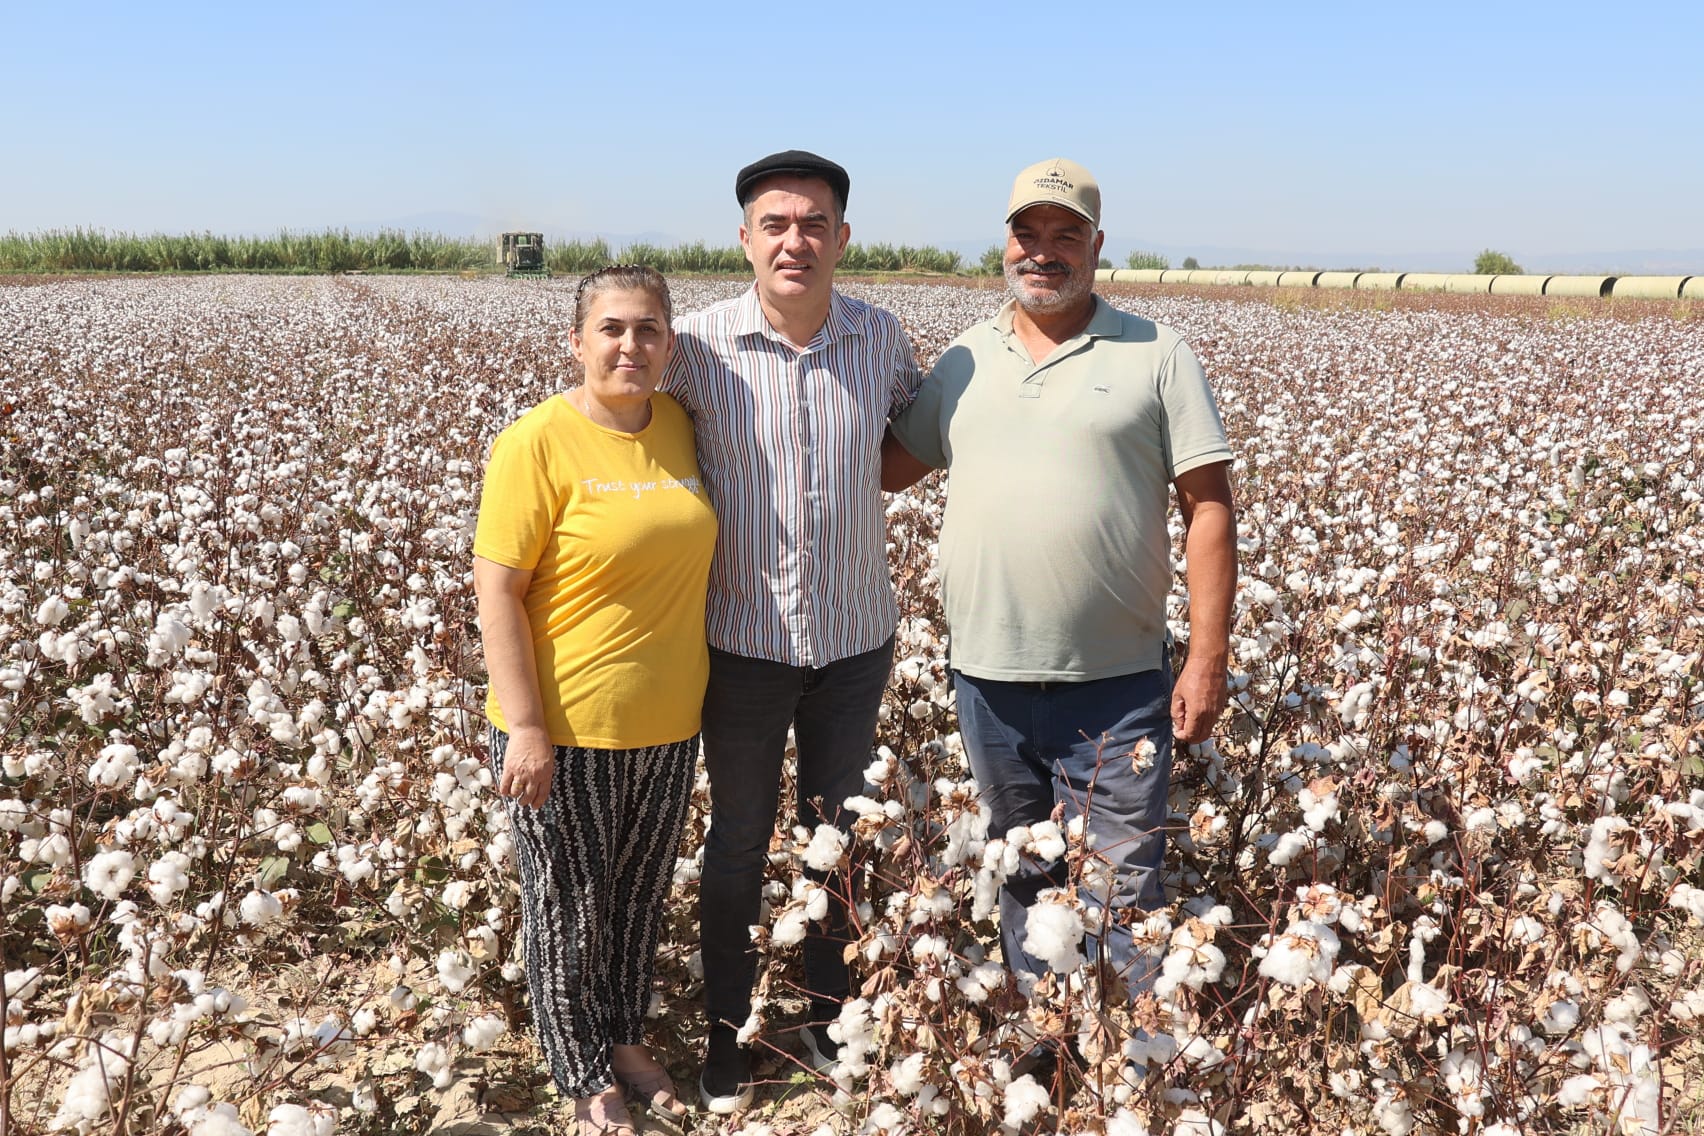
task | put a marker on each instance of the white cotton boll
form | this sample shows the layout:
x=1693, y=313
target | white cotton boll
x=983, y=979
x=434, y=1060
x=1482, y=821
x=826, y=847
x=886, y=1119
x=191, y=1097
x=1190, y=964
x=1688, y=1006
x=1194, y=1122
x=1200, y=1052
x=331, y=1039
x=88, y=1097
x=54, y=850
x=22, y=984
x=1143, y=1049
x=303, y=797
x=170, y=636
x=1047, y=840
x=485, y=939
x=1524, y=930
x=316, y=1119
x=1125, y=1123
x=1024, y=1099
x=1434, y=831
x=52, y=612
x=107, y=874
x=753, y=1026
x=1427, y=1002
x=114, y=767
x=1560, y=1017
x=1689, y=899
x=1355, y=706
x=1053, y=933
x=1603, y=849
x=927, y=947
x=1289, y=846
x=1524, y=765
x=354, y=866
x=454, y=970
x=1576, y=1091
x=906, y=1075
x=1320, y=902
x=168, y=876
x=789, y=928
x=259, y=908
x=221, y=1119
x=1318, y=811
x=1303, y=953
x=882, y=943
x=1394, y=1114
x=364, y=1021
x=1627, y=1007
x=816, y=902
x=456, y=894
x=879, y=769
x=483, y=1032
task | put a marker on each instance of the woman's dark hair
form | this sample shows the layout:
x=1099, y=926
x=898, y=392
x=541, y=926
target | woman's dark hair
x=620, y=278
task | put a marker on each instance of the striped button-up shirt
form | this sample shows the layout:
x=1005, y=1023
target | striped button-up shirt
x=789, y=445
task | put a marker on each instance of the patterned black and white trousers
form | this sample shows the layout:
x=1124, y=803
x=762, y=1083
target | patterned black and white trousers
x=596, y=862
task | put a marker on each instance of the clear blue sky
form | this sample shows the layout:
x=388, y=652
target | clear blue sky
x=1537, y=128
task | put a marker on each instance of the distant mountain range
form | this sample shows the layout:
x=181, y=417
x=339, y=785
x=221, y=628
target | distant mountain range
x=1625, y=262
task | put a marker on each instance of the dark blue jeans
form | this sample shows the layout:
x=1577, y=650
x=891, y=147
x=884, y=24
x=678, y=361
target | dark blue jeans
x=748, y=707
x=1033, y=745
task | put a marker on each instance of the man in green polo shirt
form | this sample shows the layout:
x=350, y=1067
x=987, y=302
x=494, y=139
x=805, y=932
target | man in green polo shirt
x=1065, y=423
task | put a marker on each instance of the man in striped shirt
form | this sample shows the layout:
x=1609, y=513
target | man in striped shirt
x=790, y=387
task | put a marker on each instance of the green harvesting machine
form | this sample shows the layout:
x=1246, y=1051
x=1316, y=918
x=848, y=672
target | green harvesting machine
x=522, y=254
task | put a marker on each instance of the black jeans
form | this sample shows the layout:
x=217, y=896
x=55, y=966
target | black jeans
x=748, y=707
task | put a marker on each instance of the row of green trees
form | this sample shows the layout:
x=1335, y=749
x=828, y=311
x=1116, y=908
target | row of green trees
x=573, y=257
x=339, y=250
x=1488, y=263
x=334, y=250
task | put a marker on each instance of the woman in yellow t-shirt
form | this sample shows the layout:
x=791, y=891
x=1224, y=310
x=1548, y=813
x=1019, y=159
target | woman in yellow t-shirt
x=591, y=560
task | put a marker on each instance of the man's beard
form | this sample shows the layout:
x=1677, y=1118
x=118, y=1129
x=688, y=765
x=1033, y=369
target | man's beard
x=1068, y=295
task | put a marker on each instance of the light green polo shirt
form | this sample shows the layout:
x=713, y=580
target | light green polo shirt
x=1055, y=561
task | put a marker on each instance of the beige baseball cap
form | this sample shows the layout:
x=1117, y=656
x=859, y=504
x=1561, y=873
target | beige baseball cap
x=1057, y=181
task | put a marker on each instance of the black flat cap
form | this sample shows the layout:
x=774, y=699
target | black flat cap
x=800, y=162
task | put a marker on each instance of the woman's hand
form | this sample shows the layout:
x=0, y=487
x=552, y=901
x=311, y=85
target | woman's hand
x=529, y=762
x=529, y=767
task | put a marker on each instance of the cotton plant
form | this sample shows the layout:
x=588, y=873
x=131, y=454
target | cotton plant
x=240, y=708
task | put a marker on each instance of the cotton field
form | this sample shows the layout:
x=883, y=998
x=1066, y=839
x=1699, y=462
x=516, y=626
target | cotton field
x=1440, y=870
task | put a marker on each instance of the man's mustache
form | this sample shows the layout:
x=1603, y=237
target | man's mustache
x=1053, y=269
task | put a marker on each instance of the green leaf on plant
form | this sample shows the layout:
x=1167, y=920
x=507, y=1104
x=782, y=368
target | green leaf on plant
x=319, y=832
x=271, y=870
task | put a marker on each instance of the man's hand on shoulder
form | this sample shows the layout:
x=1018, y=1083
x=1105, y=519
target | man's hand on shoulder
x=899, y=469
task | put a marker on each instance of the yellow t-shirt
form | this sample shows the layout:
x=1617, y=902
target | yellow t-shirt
x=618, y=532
